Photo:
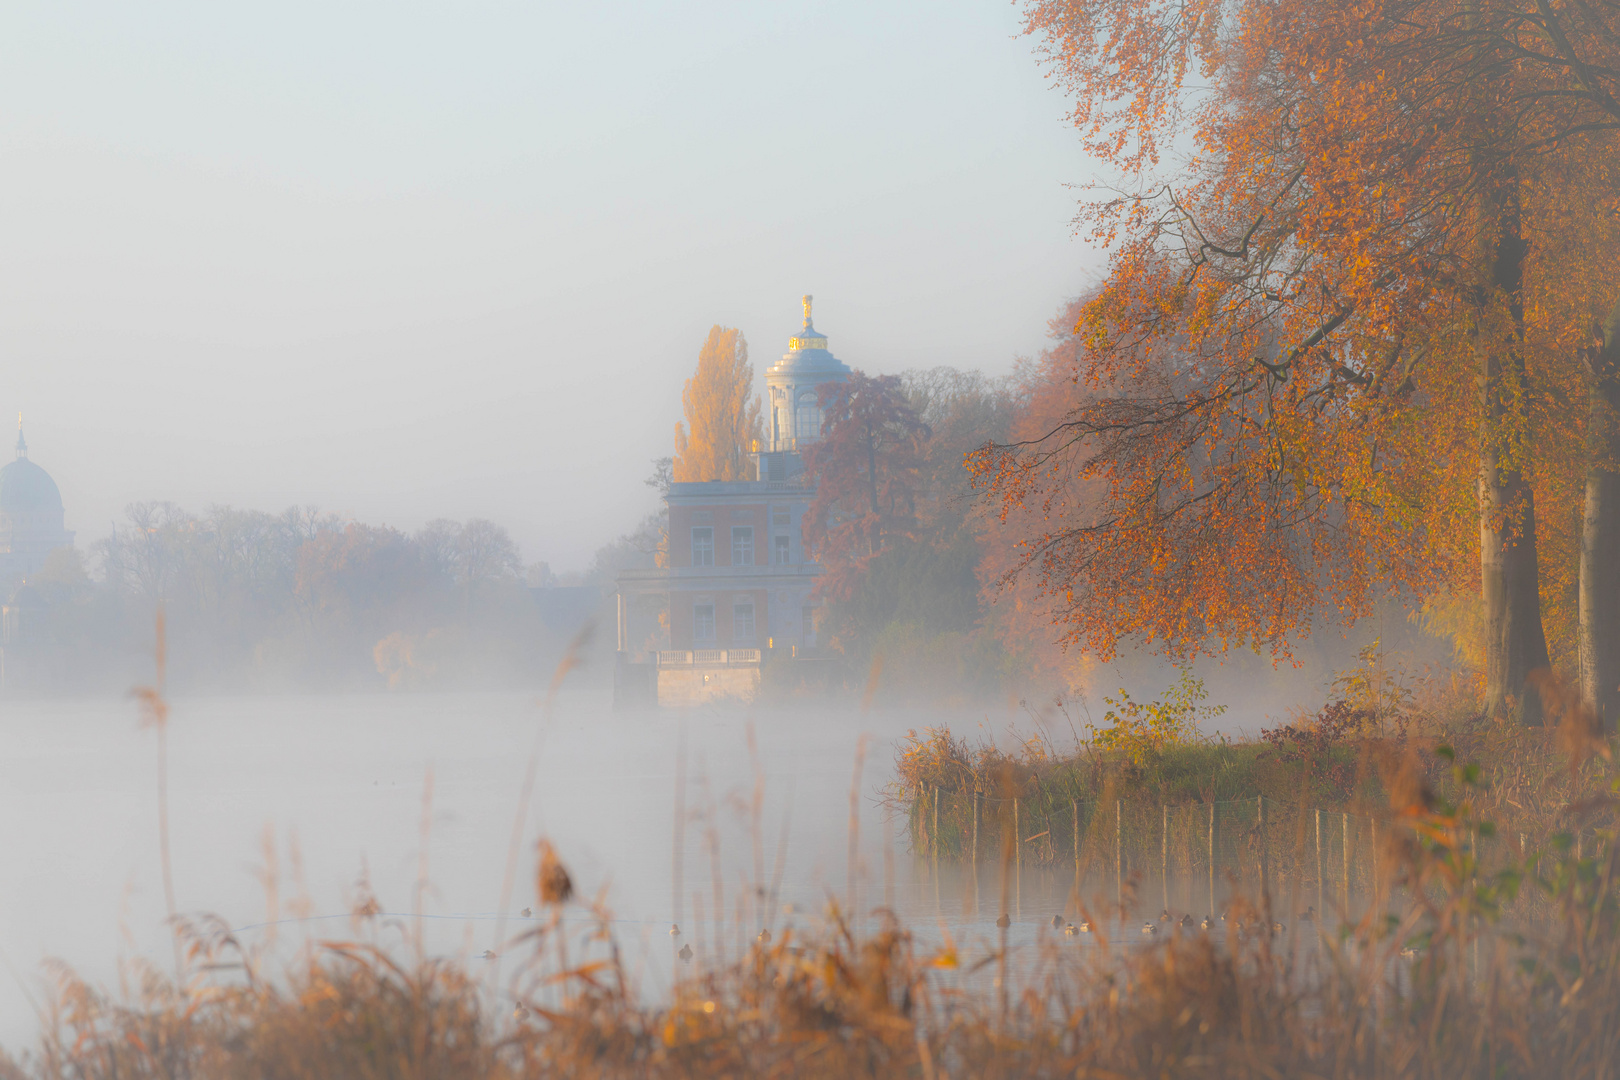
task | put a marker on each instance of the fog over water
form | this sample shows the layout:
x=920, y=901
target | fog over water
x=339, y=781
x=344, y=775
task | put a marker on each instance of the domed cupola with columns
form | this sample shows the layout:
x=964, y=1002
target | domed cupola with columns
x=32, y=521
x=793, y=385
x=793, y=409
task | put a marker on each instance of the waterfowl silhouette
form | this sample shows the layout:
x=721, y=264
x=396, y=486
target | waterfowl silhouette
x=1186, y=920
x=1071, y=930
x=486, y=955
x=1004, y=921
x=1207, y=923
x=1085, y=926
x=1164, y=915
x=526, y=913
x=764, y=937
x=1309, y=916
x=674, y=929
x=1150, y=928
x=685, y=953
x=1057, y=922
x=1277, y=928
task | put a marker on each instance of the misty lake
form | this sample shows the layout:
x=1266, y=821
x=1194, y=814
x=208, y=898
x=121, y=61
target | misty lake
x=315, y=791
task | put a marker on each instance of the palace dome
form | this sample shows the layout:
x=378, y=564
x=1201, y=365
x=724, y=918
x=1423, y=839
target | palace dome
x=808, y=355
x=25, y=486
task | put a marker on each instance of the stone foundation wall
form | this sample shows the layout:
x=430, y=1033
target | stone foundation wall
x=679, y=686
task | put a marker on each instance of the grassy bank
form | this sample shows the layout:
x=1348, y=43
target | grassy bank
x=1422, y=984
x=1318, y=789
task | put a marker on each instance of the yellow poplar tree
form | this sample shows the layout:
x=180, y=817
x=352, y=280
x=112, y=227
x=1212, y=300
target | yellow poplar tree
x=722, y=413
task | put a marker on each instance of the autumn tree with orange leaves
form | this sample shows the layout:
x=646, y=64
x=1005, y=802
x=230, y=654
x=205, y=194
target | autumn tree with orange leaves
x=723, y=422
x=865, y=467
x=1347, y=352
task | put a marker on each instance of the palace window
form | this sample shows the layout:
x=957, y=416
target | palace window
x=781, y=551
x=742, y=620
x=808, y=426
x=703, y=622
x=742, y=545
x=703, y=551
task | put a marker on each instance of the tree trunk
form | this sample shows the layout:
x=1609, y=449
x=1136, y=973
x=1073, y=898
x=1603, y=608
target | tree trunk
x=871, y=479
x=1599, y=626
x=1515, y=644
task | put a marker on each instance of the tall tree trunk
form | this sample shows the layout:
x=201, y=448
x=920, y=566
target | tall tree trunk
x=871, y=479
x=1599, y=626
x=1515, y=644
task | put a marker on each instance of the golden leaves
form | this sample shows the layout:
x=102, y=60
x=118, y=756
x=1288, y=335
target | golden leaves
x=722, y=413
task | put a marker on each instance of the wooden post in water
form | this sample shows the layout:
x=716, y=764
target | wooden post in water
x=1346, y=845
x=1372, y=830
x=977, y=797
x=1076, y=844
x=1319, y=905
x=1212, y=859
x=1260, y=823
x=1018, y=863
x=1164, y=852
x=1018, y=840
x=935, y=849
x=1119, y=869
x=921, y=802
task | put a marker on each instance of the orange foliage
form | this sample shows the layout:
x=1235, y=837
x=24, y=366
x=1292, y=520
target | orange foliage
x=865, y=468
x=722, y=413
x=1275, y=410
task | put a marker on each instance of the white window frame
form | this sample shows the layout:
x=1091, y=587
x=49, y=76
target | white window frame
x=738, y=534
x=706, y=551
x=698, y=626
x=738, y=609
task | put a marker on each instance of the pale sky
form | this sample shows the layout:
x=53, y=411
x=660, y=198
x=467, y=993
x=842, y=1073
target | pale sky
x=406, y=260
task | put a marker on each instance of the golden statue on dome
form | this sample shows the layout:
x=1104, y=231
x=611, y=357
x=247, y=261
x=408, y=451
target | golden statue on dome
x=807, y=299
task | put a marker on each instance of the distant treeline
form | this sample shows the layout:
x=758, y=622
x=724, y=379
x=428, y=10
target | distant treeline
x=294, y=600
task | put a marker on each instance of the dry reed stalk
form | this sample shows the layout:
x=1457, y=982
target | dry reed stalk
x=851, y=867
x=155, y=714
x=572, y=658
x=756, y=811
x=424, y=835
x=678, y=854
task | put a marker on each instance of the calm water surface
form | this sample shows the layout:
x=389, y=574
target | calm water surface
x=314, y=792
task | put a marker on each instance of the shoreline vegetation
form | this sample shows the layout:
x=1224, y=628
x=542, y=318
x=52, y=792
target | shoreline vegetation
x=1469, y=955
x=1423, y=983
x=1303, y=810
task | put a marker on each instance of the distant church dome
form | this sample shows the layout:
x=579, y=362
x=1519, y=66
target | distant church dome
x=25, y=486
x=31, y=515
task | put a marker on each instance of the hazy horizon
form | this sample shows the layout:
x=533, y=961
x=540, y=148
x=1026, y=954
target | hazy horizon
x=405, y=264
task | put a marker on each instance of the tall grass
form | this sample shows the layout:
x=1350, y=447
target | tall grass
x=1474, y=1000
x=1431, y=980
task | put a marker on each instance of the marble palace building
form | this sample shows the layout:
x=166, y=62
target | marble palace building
x=735, y=592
